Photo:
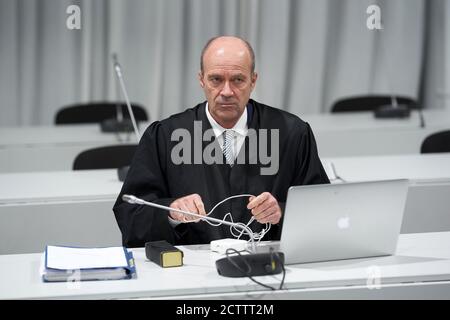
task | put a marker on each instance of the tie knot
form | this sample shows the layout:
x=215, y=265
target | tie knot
x=228, y=134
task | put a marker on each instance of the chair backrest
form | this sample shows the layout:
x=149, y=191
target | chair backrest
x=97, y=112
x=436, y=142
x=369, y=103
x=109, y=157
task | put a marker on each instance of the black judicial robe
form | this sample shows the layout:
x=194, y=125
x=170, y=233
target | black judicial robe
x=154, y=177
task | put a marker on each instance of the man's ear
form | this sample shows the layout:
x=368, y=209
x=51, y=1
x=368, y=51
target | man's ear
x=200, y=79
x=254, y=78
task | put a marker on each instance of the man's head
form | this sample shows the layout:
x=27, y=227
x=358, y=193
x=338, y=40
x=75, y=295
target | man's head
x=227, y=75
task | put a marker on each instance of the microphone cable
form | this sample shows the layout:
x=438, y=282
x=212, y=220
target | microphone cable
x=256, y=235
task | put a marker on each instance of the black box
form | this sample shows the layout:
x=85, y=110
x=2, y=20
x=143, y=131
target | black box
x=164, y=254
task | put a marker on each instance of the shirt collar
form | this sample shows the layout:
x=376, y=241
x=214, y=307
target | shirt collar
x=240, y=127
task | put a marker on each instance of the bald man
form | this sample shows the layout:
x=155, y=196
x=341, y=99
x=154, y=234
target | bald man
x=227, y=145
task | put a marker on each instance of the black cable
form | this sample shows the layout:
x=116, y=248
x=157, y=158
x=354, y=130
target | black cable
x=247, y=273
x=282, y=267
x=235, y=264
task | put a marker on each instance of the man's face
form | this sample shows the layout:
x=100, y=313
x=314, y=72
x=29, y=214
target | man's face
x=227, y=79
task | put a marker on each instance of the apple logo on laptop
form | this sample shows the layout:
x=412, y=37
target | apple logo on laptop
x=343, y=222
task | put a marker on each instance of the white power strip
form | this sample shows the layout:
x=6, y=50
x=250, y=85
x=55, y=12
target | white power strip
x=222, y=245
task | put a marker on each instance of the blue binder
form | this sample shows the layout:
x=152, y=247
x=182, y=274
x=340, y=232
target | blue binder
x=90, y=274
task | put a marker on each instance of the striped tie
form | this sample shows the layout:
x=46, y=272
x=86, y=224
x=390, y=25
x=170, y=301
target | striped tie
x=228, y=146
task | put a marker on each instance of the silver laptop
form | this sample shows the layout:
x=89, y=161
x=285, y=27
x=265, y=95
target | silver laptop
x=342, y=221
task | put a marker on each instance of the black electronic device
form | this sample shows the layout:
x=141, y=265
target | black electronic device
x=393, y=111
x=251, y=265
x=115, y=125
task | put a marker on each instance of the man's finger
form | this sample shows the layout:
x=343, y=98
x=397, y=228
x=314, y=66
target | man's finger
x=176, y=215
x=191, y=207
x=258, y=200
x=173, y=214
x=266, y=205
x=200, y=207
x=274, y=218
x=265, y=214
x=184, y=207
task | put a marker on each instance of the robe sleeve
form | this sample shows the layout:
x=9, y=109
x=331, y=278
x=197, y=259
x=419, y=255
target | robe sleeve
x=309, y=169
x=146, y=179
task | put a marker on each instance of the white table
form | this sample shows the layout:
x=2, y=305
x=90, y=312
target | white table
x=347, y=134
x=75, y=207
x=420, y=269
x=428, y=202
x=51, y=148
x=361, y=134
x=67, y=207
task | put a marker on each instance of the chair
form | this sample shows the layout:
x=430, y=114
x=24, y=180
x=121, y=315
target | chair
x=369, y=103
x=436, y=142
x=109, y=157
x=97, y=112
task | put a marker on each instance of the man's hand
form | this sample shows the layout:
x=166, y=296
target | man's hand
x=265, y=208
x=191, y=203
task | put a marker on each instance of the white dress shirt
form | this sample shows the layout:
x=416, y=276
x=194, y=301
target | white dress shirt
x=240, y=131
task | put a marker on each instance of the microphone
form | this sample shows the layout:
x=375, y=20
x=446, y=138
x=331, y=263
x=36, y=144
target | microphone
x=135, y=200
x=118, y=105
x=392, y=110
x=116, y=64
x=421, y=117
x=249, y=265
x=119, y=124
x=118, y=70
x=132, y=199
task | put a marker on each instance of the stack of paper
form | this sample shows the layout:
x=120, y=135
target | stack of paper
x=79, y=264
